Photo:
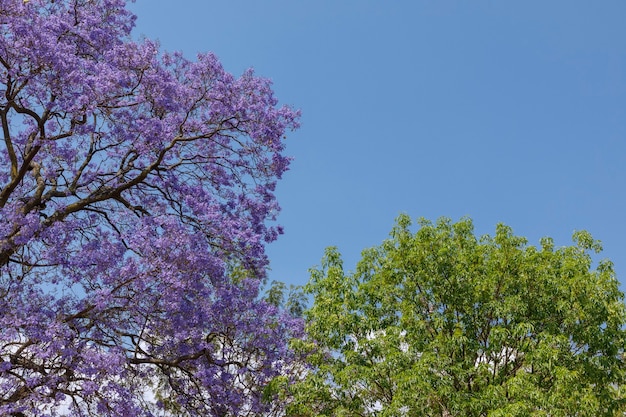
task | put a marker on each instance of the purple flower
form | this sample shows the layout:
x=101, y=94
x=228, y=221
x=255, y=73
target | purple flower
x=135, y=204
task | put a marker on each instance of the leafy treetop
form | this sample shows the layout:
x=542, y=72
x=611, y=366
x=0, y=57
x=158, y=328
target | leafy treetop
x=438, y=322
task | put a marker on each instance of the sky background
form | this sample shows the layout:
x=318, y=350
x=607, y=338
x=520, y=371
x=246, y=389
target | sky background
x=503, y=111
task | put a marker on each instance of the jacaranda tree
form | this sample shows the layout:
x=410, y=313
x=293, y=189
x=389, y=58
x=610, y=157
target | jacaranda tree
x=438, y=322
x=134, y=183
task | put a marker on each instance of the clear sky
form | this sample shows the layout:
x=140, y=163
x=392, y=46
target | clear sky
x=503, y=111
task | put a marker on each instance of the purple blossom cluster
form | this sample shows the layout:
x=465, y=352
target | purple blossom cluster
x=134, y=184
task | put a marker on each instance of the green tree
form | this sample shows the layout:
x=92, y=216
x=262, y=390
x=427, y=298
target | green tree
x=442, y=323
x=295, y=302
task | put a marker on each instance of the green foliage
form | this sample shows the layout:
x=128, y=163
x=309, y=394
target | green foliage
x=442, y=323
x=275, y=295
x=296, y=300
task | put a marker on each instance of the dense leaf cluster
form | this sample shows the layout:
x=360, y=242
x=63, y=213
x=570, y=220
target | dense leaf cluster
x=442, y=323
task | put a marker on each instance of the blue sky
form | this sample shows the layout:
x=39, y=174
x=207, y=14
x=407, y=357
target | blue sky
x=502, y=111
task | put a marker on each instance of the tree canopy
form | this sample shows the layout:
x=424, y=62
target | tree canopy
x=132, y=183
x=439, y=322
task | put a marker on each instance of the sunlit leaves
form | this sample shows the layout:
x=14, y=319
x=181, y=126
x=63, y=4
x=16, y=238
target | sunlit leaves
x=440, y=322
